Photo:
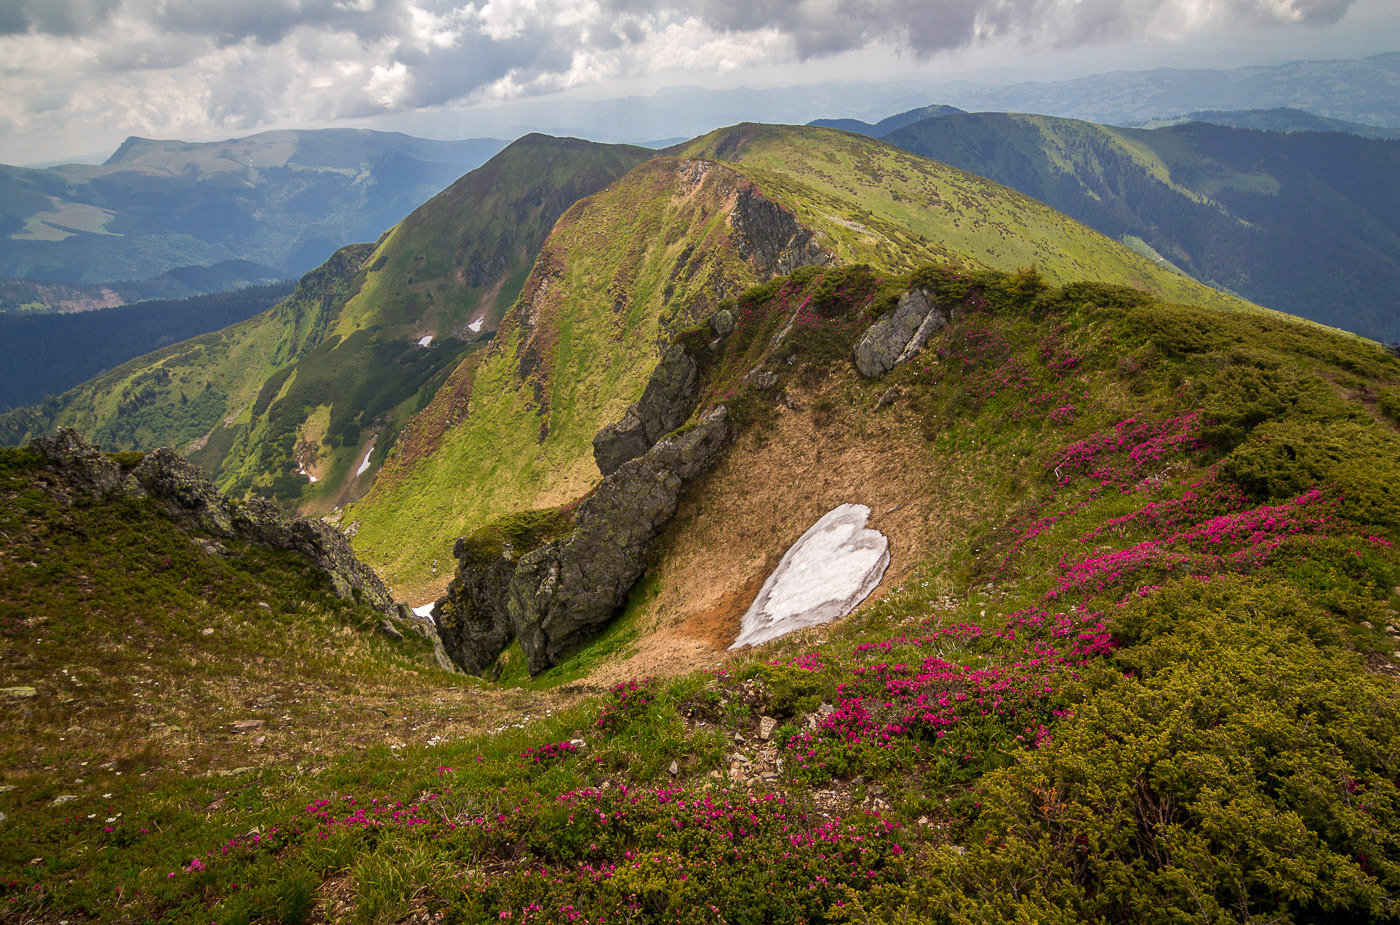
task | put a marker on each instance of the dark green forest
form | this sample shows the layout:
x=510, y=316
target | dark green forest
x=48, y=354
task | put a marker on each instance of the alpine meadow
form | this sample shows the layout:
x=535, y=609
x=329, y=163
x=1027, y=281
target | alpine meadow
x=945, y=517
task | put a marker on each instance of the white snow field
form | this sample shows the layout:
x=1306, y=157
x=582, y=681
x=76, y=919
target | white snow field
x=825, y=574
x=364, y=466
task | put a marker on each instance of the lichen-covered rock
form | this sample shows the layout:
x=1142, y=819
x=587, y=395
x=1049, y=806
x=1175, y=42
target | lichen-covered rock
x=565, y=590
x=183, y=491
x=85, y=466
x=666, y=404
x=471, y=616
x=898, y=336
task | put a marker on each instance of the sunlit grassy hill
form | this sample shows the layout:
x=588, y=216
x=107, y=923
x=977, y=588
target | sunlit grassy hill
x=310, y=384
x=1303, y=222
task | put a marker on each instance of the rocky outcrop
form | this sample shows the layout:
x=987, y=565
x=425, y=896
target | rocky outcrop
x=184, y=493
x=900, y=335
x=83, y=466
x=772, y=238
x=667, y=403
x=565, y=590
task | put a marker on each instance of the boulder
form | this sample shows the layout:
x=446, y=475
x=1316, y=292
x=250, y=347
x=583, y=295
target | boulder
x=898, y=336
x=666, y=404
x=84, y=465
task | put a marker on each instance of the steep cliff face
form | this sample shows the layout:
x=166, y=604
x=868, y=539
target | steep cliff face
x=552, y=592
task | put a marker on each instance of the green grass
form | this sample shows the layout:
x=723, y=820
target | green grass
x=1213, y=744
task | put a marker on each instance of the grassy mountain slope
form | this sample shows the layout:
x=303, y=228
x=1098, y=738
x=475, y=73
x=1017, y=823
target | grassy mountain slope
x=1302, y=222
x=1134, y=662
x=498, y=424
x=285, y=199
x=872, y=200
x=292, y=389
x=622, y=272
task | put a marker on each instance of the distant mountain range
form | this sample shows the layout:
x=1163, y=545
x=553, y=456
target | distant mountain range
x=1283, y=119
x=284, y=200
x=1304, y=221
x=1365, y=91
x=27, y=296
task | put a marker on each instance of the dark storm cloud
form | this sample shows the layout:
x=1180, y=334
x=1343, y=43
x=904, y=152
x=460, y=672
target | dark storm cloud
x=821, y=27
x=268, y=21
x=55, y=17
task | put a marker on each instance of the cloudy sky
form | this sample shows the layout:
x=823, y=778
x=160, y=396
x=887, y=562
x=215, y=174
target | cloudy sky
x=78, y=76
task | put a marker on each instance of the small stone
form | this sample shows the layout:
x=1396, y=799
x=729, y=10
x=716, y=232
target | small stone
x=232, y=772
x=957, y=849
x=19, y=693
x=738, y=738
x=264, y=605
x=243, y=725
x=6, y=788
x=739, y=757
x=715, y=775
x=766, y=725
x=207, y=631
x=388, y=629
x=1367, y=624
x=826, y=709
x=260, y=740
x=577, y=743
x=65, y=798
x=674, y=769
x=770, y=775
x=922, y=820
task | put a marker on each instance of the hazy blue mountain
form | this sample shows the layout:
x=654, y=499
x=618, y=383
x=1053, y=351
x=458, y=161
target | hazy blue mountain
x=885, y=126
x=283, y=199
x=1304, y=222
x=1365, y=91
x=1283, y=119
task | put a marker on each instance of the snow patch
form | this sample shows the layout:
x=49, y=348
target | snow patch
x=425, y=340
x=364, y=466
x=475, y=326
x=426, y=610
x=826, y=573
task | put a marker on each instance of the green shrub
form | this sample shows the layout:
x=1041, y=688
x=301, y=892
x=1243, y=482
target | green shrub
x=1390, y=403
x=1361, y=462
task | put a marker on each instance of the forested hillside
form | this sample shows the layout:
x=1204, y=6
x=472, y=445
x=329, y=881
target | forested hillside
x=47, y=354
x=1303, y=222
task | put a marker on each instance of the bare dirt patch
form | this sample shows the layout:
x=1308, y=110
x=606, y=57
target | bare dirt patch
x=735, y=524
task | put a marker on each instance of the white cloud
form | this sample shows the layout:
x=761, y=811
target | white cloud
x=196, y=67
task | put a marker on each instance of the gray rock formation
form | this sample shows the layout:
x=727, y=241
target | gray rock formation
x=566, y=591
x=189, y=498
x=666, y=404
x=771, y=237
x=84, y=466
x=558, y=595
x=898, y=336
